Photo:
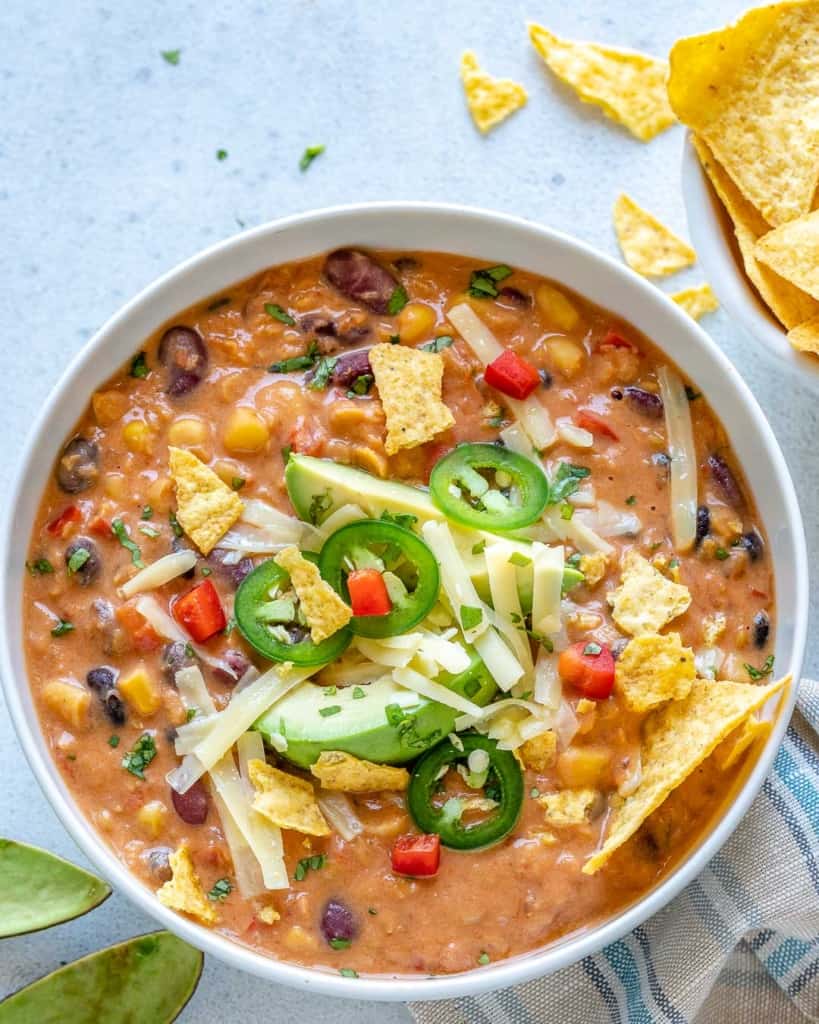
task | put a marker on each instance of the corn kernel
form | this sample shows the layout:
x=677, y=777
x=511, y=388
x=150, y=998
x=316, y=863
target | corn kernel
x=246, y=431
x=415, y=321
x=138, y=437
x=68, y=701
x=556, y=307
x=109, y=406
x=299, y=939
x=141, y=691
x=159, y=492
x=188, y=432
x=114, y=485
x=566, y=355
x=151, y=818
x=581, y=767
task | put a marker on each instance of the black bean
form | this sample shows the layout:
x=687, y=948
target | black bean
x=404, y=263
x=337, y=922
x=514, y=297
x=703, y=524
x=645, y=402
x=761, y=627
x=183, y=353
x=724, y=478
x=359, y=277
x=159, y=862
x=315, y=323
x=102, y=679
x=232, y=572
x=546, y=378
x=192, y=806
x=752, y=543
x=353, y=335
x=88, y=571
x=176, y=656
x=351, y=366
x=114, y=707
x=661, y=459
x=617, y=394
x=77, y=468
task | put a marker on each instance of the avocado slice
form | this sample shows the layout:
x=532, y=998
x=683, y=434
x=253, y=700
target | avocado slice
x=388, y=724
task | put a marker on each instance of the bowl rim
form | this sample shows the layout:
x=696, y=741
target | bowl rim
x=507, y=972
x=704, y=213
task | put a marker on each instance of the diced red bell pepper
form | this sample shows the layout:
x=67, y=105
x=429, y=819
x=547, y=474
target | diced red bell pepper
x=418, y=856
x=368, y=593
x=100, y=528
x=615, y=340
x=597, y=424
x=68, y=517
x=512, y=375
x=200, y=612
x=589, y=668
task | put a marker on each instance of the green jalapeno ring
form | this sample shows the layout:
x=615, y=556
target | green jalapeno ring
x=508, y=777
x=354, y=544
x=465, y=496
x=253, y=594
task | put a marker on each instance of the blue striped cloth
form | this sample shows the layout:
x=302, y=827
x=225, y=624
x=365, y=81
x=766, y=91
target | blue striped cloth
x=739, y=945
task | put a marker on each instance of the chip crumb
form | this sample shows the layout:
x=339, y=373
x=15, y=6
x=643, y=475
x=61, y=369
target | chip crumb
x=792, y=250
x=287, y=801
x=805, y=336
x=628, y=86
x=269, y=915
x=653, y=669
x=184, y=891
x=539, y=752
x=594, y=567
x=338, y=770
x=696, y=301
x=584, y=706
x=713, y=626
x=648, y=246
x=206, y=506
x=490, y=100
x=646, y=601
x=734, y=746
x=545, y=838
x=321, y=606
x=409, y=384
x=569, y=806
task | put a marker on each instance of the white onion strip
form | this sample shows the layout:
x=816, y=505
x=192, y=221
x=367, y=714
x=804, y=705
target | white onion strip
x=162, y=571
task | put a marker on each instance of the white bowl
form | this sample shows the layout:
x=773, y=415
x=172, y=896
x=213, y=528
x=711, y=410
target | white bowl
x=712, y=236
x=494, y=238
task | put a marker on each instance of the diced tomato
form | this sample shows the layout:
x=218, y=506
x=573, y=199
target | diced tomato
x=589, y=668
x=368, y=593
x=615, y=340
x=67, y=518
x=100, y=527
x=593, y=421
x=418, y=856
x=143, y=636
x=200, y=612
x=512, y=375
x=304, y=439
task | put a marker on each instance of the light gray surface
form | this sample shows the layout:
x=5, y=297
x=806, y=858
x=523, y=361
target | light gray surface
x=108, y=177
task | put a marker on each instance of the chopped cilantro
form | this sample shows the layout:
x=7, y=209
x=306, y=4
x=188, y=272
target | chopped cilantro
x=566, y=481
x=592, y=649
x=147, y=512
x=303, y=362
x=275, y=310
x=631, y=499
x=471, y=616
x=190, y=714
x=482, y=283
x=566, y=511
x=171, y=56
x=372, y=911
x=309, y=155
x=333, y=709
x=314, y=863
x=398, y=300
x=330, y=691
x=534, y=792
x=395, y=714
x=496, y=422
x=206, y=570
x=40, y=567
x=287, y=451
x=340, y=943
x=139, y=366
x=221, y=154
x=231, y=625
x=118, y=527
x=361, y=385
x=237, y=483
x=722, y=554
x=140, y=755
x=759, y=673
x=483, y=959
x=177, y=529
x=113, y=741
x=348, y=972
x=323, y=372
x=62, y=627
x=691, y=394
x=405, y=519
x=148, y=531
x=439, y=344
x=358, y=693
x=222, y=888
x=574, y=560
x=320, y=505
x=394, y=339
x=517, y=558
x=78, y=560
x=479, y=548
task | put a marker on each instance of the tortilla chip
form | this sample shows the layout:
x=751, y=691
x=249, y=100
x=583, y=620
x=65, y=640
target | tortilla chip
x=490, y=100
x=697, y=301
x=184, y=892
x=713, y=626
x=321, y=606
x=287, y=801
x=645, y=601
x=750, y=91
x=206, y=506
x=790, y=305
x=647, y=245
x=409, y=384
x=629, y=87
x=793, y=252
x=653, y=669
x=569, y=806
x=539, y=752
x=676, y=740
x=734, y=746
x=338, y=770
x=594, y=567
x=805, y=337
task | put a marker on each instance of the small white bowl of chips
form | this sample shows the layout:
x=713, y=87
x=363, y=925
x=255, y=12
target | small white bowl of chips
x=751, y=169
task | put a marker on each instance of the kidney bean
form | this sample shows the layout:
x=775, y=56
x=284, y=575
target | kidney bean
x=183, y=353
x=703, y=524
x=360, y=278
x=514, y=297
x=86, y=573
x=315, y=323
x=724, y=478
x=234, y=667
x=761, y=629
x=752, y=543
x=645, y=402
x=192, y=807
x=78, y=465
x=233, y=573
x=337, y=921
x=351, y=366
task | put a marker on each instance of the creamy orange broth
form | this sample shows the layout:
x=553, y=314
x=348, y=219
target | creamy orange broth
x=514, y=897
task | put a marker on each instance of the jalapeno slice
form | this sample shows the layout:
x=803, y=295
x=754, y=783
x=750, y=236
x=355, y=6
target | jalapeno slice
x=268, y=619
x=409, y=569
x=487, y=487
x=503, y=783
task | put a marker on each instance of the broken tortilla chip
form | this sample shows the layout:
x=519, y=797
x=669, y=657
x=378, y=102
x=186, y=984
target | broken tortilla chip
x=645, y=601
x=569, y=806
x=793, y=252
x=697, y=301
x=805, y=337
x=676, y=740
x=648, y=246
x=490, y=100
x=734, y=746
x=409, y=384
x=287, y=801
x=340, y=771
x=653, y=669
x=321, y=606
x=629, y=87
x=539, y=752
x=790, y=305
x=184, y=892
x=750, y=91
x=206, y=506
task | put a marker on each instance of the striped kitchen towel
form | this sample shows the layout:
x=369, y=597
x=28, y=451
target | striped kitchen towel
x=740, y=945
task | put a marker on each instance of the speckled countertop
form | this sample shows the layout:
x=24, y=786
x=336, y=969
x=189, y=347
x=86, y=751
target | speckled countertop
x=109, y=177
